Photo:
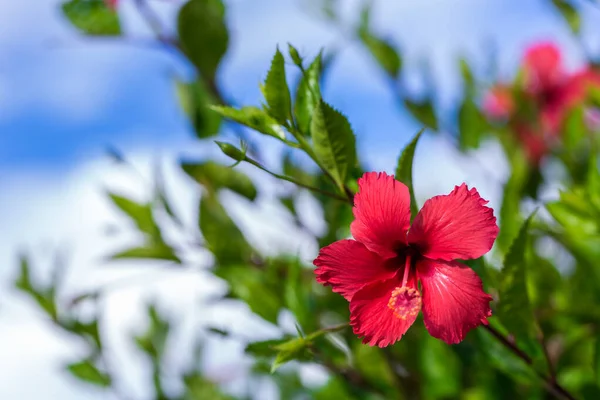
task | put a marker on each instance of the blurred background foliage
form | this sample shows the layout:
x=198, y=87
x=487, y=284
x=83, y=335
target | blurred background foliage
x=544, y=339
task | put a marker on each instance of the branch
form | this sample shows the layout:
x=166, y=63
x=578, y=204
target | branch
x=551, y=384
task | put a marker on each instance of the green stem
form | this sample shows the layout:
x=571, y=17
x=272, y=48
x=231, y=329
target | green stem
x=296, y=182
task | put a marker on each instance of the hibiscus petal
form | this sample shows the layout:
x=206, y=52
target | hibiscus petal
x=453, y=299
x=373, y=319
x=382, y=212
x=457, y=225
x=347, y=266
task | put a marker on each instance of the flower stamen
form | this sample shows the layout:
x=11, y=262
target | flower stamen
x=405, y=302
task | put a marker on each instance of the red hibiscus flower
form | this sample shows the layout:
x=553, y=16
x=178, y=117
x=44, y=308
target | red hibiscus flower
x=379, y=271
x=543, y=68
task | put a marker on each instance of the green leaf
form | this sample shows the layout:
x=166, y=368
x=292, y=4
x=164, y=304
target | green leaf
x=214, y=177
x=569, y=217
x=223, y=238
x=574, y=129
x=514, y=307
x=92, y=17
x=597, y=360
x=570, y=14
x=308, y=94
x=247, y=284
x=441, y=369
x=159, y=251
x=510, y=215
x=276, y=90
x=203, y=34
x=404, y=170
x=252, y=117
x=153, y=340
x=198, y=387
x=468, y=78
x=233, y=152
x=472, y=125
x=44, y=297
x=196, y=100
x=265, y=348
x=383, y=52
x=372, y=365
x=139, y=213
x=294, y=55
x=86, y=371
x=423, y=112
x=334, y=142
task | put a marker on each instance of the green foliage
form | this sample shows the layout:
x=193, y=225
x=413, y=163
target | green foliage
x=44, y=297
x=276, y=91
x=380, y=49
x=334, y=142
x=252, y=117
x=222, y=236
x=441, y=370
x=195, y=100
x=142, y=215
x=404, y=170
x=87, y=371
x=203, y=35
x=542, y=338
x=570, y=14
x=308, y=95
x=213, y=177
x=424, y=113
x=514, y=308
x=92, y=17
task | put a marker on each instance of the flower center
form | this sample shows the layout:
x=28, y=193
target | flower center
x=405, y=302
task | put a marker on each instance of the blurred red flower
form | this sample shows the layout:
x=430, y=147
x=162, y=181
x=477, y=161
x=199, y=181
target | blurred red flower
x=111, y=3
x=552, y=91
x=379, y=271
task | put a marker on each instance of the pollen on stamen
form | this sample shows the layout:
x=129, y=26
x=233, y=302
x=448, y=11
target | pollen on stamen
x=405, y=302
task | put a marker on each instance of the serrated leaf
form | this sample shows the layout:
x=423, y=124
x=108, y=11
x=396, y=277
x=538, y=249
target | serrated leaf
x=334, y=142
x=276, y=91
x=158, y=251
x=252, y=117
x=404, y=170
x=308, y=94
x=86, y=371
x=514, y=307
x=570, y=15
x=423, y=112
x=510, y=215
x=92, y=17
x=139, y=213
x=222, y=236
x=203, y=34
x=214, y=177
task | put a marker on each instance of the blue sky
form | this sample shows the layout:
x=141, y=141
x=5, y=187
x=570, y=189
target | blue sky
x=64, y=99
